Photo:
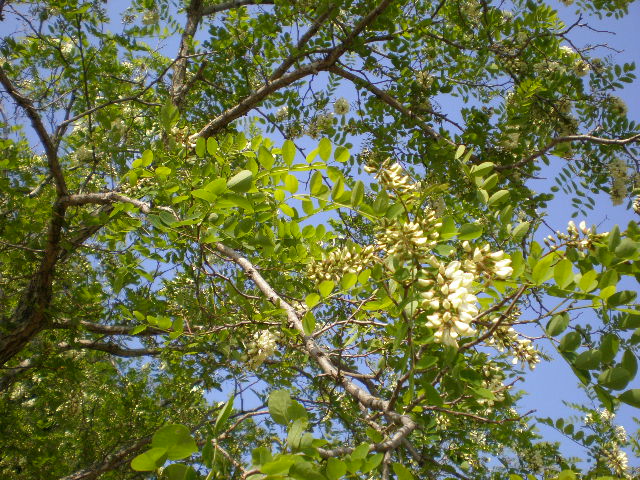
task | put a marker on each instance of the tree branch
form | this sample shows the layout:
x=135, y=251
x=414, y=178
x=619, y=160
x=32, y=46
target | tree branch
x=50, y=148
x=111, y=461
x=570, y=138
x=321, y=357
x=255, y=98
x=109, y=347
x=221, y=7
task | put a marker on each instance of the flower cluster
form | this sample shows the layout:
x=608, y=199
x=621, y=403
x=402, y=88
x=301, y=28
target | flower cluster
x=406, y=240
x=636, y=204
x=506, y=338
x=617, y=106
x=490, y=263
x=425, y=79
x=619, y=180
x=341, y=106
x=579, y=237
x=616, y=459
x=494, y=382
x=262, y=347
x=455, y=306
x=351, y=259
x=391, y=176
x=282, y=113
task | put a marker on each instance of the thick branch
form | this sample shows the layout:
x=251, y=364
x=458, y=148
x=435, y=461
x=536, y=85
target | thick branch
x=50, y=148
x=178, y=87
x=291, y=59
x=255, y=98
x=30, y=315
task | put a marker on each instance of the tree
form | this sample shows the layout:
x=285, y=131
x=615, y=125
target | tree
x=202, y=278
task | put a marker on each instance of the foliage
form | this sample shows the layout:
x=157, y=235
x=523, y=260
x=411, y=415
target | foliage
x=202, y=277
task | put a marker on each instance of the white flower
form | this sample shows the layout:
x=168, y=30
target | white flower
x=67, y=47
x=503, y=268
x=567, y=50
x=341, y=106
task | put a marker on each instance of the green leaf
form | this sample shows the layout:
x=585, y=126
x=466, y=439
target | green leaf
x=261, y=455
x=217, y=186
x=204, y=195
x=338, y=189
x=402, y=472
x=609, y=346
x=629, y=362
x=312, y=300
x=627, y=248
x=169, y=115
x=291, y=183
x=149, y=460
x=371, y=463
x=223, y=415
x=212, y=146
x=613, y=239
x=279, y=402
x=348, y=280
x=563, y=273
x=200, y=146
x=315, y=186
x=570, y=342
x=177, y=441
x=240, y=182
x=303, y=470
x=357, y=194
x=162, y=172
x=288, y=151
x=631, y=397
x=296, y=430
x=498, y=197
x=335, y=469
x=308, y=323
x=341, y=154
x=520, y=231
x=588, y=281
x=558, y=324
x=469, y=231
x=615, y=378
x=324, y=149
x=542, y=270
x=326, y=287
x=146, y=159
x=482, y=169
x=624, y=297
x=279, y=466
x=589, y=360
x=178, y=471
x=360, y=452
x=265, y=158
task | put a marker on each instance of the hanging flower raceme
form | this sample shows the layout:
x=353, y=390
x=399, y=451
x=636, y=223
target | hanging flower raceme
x=263, y=346
x=454, y=304
x=350, y=259
x=391, y=176
x=493, y=264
